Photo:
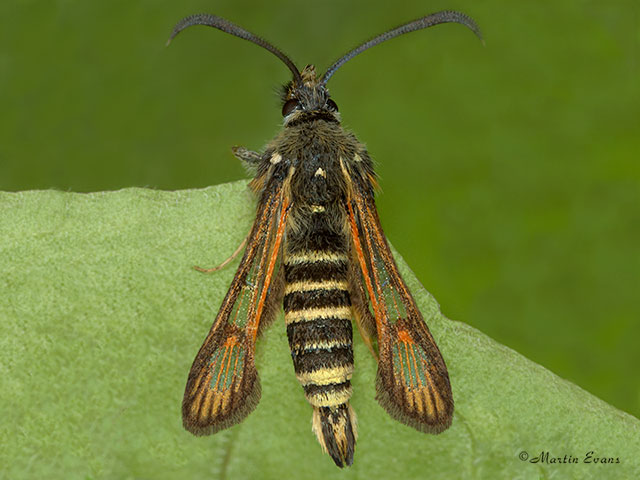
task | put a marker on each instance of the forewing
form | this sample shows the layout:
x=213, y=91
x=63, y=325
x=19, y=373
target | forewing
x=223, y=385
x=412, y=382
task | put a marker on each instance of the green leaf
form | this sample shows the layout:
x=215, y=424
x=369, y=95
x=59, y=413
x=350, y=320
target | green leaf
x=101, y=315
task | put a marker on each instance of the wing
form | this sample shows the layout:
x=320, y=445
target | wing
x=412, y=382
x=223, y=385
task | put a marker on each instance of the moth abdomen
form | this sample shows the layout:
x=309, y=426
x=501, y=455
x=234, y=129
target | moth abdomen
x=317, y=307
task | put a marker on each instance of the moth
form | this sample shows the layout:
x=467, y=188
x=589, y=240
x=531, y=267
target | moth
x=317, y=246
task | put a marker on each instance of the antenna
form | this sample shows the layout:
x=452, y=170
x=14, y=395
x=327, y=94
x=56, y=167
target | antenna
x=233, y=29
x=446, y=16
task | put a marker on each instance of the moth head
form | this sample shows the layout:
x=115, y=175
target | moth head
x=306, y=93
x=308, y=97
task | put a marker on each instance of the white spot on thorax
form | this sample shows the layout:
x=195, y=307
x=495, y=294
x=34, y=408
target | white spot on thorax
x=276, y=158
x=320, y=172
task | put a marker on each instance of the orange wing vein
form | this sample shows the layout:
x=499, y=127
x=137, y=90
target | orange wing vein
x=412, y=382
x=223, y=385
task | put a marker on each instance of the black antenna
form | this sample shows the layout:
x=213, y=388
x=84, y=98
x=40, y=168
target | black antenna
x=446, y=16
x=228, y=27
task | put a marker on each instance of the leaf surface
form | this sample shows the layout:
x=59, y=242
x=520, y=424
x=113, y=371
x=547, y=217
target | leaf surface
x=101, y=315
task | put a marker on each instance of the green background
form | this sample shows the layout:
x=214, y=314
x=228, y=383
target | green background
x=510, y=173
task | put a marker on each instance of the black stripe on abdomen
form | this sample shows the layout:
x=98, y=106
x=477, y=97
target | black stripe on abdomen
x=317, y=310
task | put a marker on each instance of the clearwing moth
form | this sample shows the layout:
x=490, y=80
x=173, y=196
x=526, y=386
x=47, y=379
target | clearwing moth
x=317, y=245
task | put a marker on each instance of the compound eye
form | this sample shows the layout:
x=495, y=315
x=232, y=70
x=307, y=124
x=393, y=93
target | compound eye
x=331, y=105
x=289, y=106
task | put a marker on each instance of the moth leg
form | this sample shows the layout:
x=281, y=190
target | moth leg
x=368, y=339
x=246, y=156
x=273, y=302
x=227, y=261
x=364, y=319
